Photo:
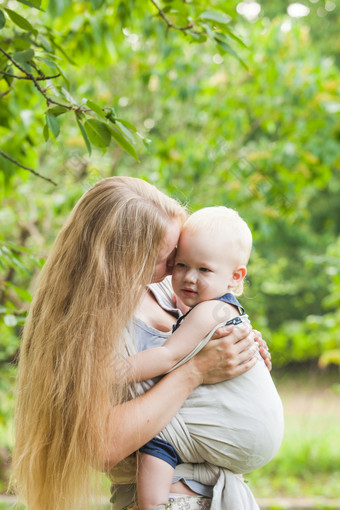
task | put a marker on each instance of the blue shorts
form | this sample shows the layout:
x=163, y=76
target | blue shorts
x=163, y=450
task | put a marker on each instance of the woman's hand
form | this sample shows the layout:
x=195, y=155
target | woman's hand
x=231, y=353
x=263, y=348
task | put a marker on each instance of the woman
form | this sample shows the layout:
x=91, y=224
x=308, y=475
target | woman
x=72, y=411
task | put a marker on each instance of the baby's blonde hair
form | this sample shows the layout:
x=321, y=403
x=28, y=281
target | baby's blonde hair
x=233, y=230
x=70, y=375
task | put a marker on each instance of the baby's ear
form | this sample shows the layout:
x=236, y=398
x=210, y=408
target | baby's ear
x=238, y=275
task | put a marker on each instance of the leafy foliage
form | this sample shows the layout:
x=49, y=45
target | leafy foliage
x=37, y=55
x=154, y=90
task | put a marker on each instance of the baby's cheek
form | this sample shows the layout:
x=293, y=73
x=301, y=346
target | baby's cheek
x=175, y=276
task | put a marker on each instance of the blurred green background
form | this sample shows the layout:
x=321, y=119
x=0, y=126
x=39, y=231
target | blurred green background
x=240, y=107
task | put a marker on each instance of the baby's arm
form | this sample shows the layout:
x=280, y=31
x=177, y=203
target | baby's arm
x=159, y=360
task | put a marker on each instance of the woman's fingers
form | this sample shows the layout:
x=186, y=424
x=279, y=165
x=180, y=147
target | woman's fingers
x=245, y=366
x=263, y=348
x=266, y=357
x=230, y=354
x=228, y=359
x=222, y=332
x=228, y=369
x=236, y=332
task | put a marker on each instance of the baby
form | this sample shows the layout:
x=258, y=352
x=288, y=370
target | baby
x=245, y=414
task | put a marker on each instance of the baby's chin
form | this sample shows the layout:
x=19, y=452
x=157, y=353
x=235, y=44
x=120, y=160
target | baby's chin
x=191, y=301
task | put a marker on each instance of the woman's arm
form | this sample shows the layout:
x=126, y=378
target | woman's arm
x=133, y=423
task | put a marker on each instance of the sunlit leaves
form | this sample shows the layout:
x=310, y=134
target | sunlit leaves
x=21, y=22
x=98, y=133
x=124, y=144
x=57, y=7
x=53, y=124
x=33, y=3
x=57, y=110
x=15, y=261
x=84, y=135
x=215, y=16
x=50, y=55
x=96, y=4
x=23, y=56
x=2, y=19
x=96, y=108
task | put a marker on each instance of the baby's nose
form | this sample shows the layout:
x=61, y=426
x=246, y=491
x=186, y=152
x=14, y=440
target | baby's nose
x=190, y=275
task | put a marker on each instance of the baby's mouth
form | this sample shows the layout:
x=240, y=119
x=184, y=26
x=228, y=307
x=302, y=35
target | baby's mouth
x=189, y=292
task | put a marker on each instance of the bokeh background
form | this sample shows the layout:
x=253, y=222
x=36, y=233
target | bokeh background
x=240, y=109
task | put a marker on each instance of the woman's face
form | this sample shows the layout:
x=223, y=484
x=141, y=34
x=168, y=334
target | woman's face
x=166, y=256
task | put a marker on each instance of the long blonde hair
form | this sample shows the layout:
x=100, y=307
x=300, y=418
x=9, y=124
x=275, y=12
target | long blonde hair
x=69, y=376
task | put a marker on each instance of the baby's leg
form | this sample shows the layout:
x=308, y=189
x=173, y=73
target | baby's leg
x=154, y=478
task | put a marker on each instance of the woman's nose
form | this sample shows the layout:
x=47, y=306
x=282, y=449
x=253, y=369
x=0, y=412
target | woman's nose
x=170, y=263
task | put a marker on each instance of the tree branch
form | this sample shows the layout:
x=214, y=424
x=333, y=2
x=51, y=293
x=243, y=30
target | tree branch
x=6, y=92
x=36, y=84
x=29, y=77
x=168, y=23
x=6, y=156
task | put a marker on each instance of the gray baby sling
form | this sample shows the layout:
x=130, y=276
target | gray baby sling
x=225, y=429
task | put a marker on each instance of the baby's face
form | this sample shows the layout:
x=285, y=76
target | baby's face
x=203, y=267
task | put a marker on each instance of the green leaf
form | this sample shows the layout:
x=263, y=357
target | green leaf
x=21, y=22
x=26, y=66
x=215, y=16
x=23, y=56
x=124, y=130
x=66, y=95
x=127, y=124
x=225, y=46
x=2, y=19
x=124, y=144
x=66, y=80
x=96, y=4
x=209, y=31
x=197, y=38
x=57, y=110
x=98, y=132
x=229, y=33
x=46, y=132
x=53, y=124
x=83, y=132
x=96, y=108
x=34, y=3
x=60, y=48
x=9, y=259
x=48, y=62
x=13, y=247
x=57, y=7
x=111, y=114
x=22, y=293
x=45, y=43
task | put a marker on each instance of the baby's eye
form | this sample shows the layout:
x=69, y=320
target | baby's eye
x=204, y=270
x=180, y=264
